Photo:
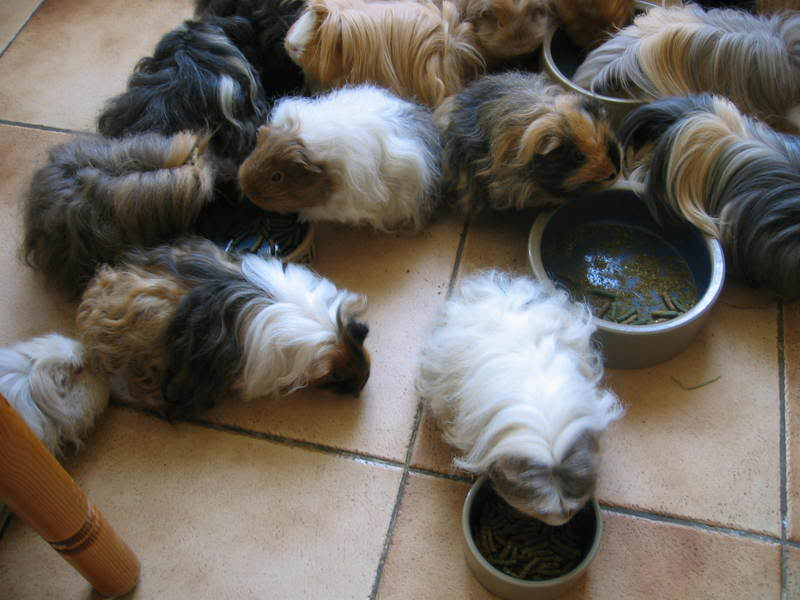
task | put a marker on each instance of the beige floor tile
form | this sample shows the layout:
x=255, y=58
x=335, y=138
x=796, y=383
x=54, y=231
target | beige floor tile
x=638, y=558
x=75, y=54
x=28, y=307
x=791, y=324
x=404, y=279
x=792, y=572
x=712, y=453
x=13, y=14
x=218, y=516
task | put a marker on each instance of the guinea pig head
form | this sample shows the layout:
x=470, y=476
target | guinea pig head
x=509, y=28
x=281, y=176
x=345, y=367
x=568, y=151
x=551, y=491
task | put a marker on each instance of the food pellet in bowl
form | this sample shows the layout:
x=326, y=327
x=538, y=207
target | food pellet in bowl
x=526, y=548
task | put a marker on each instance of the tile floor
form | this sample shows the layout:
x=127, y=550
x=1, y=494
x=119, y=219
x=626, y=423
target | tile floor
x=317, y=496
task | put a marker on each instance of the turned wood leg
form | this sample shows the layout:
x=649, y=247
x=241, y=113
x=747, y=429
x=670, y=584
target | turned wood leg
x=40, y=492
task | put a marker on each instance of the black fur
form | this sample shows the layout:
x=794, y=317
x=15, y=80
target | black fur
x=178, y=88
x=753, y=187
x=270, y=20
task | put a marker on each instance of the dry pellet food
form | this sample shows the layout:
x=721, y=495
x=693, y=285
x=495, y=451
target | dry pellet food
x=625, y=274
x=273, y=234
x=526, y=548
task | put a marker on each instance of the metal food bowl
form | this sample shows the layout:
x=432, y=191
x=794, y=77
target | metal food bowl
x=589, y=523
x=561, y=57
x=629, y=345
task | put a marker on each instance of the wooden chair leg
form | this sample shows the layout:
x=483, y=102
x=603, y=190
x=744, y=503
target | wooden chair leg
x=40, y=492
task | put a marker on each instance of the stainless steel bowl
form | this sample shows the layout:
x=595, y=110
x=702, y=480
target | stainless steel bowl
x=636, y=346
x=512, y=588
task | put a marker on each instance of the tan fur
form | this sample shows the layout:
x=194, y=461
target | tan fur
x=508, y=28
x=122, y=320
x=589, y=22
x=280, y=153
x=415, y=49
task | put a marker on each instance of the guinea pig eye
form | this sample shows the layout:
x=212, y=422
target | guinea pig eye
x=577, y=156
x=276, y=177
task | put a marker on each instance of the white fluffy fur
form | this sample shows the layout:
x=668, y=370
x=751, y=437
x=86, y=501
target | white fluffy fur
x=509, y=372
x=375, y=147
x=46, y=382
x=283, y=341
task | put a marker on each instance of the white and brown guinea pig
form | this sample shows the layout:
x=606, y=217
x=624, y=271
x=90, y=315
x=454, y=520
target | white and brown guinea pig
x=358, y=155
x=419, y=50
x=514, y=140
x=589, y=23
x=508, y=28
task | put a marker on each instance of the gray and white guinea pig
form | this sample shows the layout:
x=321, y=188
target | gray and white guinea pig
x=358, y=155
x=508, y=28
x=515, y=140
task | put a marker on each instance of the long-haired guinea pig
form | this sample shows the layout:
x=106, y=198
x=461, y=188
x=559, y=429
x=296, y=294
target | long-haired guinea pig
x=185, y=325
x=416, y=49
x=270, y=20
x=511, y=375
x=515, y=140
x=508, y=28
x=97, y=196
x=46, y=380
x=588, y=23
x=358, y=155
x=727, y=174
x=198, y=79
x=752, y=60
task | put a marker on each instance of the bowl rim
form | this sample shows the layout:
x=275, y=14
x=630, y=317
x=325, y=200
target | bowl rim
x=524, y=583
x=715, y=283
x=552, y=68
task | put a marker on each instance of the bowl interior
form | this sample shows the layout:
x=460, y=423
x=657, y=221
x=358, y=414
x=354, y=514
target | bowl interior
x=584, y=526
x=609, y=242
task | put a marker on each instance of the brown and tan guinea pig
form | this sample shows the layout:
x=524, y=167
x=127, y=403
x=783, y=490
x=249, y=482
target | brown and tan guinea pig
x=508, y=28
x=515, y=140
x=590, y=22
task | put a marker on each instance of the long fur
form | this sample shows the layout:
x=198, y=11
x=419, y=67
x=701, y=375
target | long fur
x=508, y=28
x=729, y=175
x=515, y=140
x=752, y=60
x=184, y=325
x=96, y=196
x=588, y=22
x=270, y=20
x=357, y=155
x=197, y=80
x=510, y=374
x=46, y=380
x=416, y=49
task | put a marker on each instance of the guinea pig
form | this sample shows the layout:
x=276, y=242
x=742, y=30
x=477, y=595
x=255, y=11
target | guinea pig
x=515, y=140
x=358, y=155
x=270, y=21
x=46, y=380
x=97, y=196
x=510, y=373
x=508, y=28
x=588, y=23
x=416, y=49
x=198, y=79
x=183, y=326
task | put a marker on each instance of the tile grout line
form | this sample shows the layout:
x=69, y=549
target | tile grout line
x=49, y=128
x=398, y=501
x=784, y=502
x=659, y=518
x=457, y=262
x=21, y=27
